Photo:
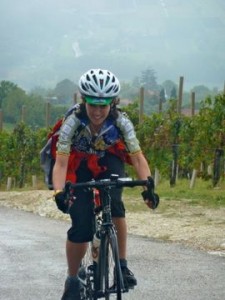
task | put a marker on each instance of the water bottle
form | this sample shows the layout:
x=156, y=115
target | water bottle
x=95, y=246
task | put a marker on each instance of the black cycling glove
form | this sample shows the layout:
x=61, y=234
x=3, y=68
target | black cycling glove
x=62, y=201
x=152, y=197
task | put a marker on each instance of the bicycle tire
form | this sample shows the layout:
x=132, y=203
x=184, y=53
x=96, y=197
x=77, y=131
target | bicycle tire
x=110, y=277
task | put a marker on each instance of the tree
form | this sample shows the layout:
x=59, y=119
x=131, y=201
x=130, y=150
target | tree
x=13, y=103
x=40, y=91
x=151, y=93
x=6, y=87
x=128, y=91
x=201, y=92
x=169, y=85
x=148, y=79
x=162, y=95
x=136, y=82
x=173, y=93
x=64, y=91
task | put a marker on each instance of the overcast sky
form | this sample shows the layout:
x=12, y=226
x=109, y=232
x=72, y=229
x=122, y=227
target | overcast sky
x=43, y=42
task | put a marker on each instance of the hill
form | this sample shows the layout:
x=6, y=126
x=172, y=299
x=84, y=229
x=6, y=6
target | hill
x=43, y=42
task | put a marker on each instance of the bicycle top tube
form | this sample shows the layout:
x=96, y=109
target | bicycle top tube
x=114, y=181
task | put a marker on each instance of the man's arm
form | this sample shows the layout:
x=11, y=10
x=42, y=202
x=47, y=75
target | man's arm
x=140, y=165
x=143, y=171
x=60, y=171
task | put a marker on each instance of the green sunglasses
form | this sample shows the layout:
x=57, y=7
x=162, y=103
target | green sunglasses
x=98, y=101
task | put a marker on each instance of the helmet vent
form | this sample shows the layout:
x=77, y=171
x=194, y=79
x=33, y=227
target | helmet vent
x=84, y=87
x=94, y=90
x=101, y=83
x=109, y=90
x=107, y=79
x=95, y=79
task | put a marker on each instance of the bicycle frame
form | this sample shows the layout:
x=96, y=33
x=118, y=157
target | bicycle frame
x=108, y=235
x=97, y=282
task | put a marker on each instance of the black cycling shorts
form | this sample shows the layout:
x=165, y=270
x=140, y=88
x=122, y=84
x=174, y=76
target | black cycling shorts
x=81, y=212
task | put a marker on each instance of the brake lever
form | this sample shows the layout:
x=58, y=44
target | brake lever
x=150, y=183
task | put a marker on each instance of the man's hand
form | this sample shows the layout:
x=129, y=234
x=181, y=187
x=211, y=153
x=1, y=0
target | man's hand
x=62, y=201
x=151, y=199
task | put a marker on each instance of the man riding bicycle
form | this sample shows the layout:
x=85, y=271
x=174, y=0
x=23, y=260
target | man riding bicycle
x=95, y=141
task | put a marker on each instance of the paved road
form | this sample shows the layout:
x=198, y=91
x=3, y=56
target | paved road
x=33, y=264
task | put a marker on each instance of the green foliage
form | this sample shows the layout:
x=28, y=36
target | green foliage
x=153, y=135
x=133, y=112
x=202, y=194
x=5, y=88
x=34, y=107
x=13, y=102
x=173, y=93
x=170, y=88
x=4, y=152
x=148, y=79
x=19, y=153
x=201, y=92
x=195, y=138
x=162, y=95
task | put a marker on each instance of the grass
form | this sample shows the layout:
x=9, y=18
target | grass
x=8, y=126
x=202, y=194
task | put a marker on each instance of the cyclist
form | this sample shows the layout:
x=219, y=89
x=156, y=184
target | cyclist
x=94, y=142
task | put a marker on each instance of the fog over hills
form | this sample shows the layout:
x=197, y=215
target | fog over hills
x=44, y=42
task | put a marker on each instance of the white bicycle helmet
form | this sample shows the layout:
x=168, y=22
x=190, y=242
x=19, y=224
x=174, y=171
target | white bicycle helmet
x=99, y=83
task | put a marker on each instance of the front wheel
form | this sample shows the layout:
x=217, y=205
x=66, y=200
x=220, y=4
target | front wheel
x=110, y=278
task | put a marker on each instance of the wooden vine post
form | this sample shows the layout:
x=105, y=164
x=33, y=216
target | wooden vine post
x=34, y=181
x=141, y=105
x=194, y=172
x=1, y=120
x=180, y=95
x=160, y=104
x=23, y=113
x=47, y=114
x=192, y=104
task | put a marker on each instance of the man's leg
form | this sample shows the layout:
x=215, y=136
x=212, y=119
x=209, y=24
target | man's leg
x=121, y=228
x=74, y=252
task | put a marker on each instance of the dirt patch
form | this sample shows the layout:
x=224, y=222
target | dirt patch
x=176, y=221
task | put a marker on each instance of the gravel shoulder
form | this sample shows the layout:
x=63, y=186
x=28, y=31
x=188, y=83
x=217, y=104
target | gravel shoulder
x=176, y=221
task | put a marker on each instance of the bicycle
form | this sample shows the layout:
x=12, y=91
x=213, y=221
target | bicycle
x=102, y=278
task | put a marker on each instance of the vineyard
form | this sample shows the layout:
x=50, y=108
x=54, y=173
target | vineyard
x=174, y=144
